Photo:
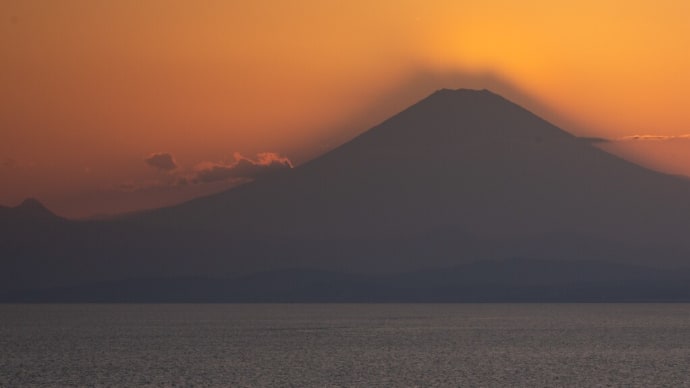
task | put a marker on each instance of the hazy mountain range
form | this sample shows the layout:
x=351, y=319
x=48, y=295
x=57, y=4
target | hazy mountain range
x=462, y=196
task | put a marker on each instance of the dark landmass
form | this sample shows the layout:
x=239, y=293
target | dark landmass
x=515, y=280
x=429, y=205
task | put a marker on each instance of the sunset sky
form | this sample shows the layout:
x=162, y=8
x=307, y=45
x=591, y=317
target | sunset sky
x=112, y=106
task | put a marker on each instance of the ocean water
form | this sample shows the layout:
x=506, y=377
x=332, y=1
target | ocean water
x=365, y=345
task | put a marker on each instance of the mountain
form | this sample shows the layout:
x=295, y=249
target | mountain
x=463, y=176
x=30, y=210
x=467, y=167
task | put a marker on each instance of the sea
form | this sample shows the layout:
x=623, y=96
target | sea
x=345, y=345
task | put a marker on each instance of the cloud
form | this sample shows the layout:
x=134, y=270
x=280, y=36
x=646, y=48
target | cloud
x=242, y=167
x=208, y=174
x=655, y=137
x=162, y=161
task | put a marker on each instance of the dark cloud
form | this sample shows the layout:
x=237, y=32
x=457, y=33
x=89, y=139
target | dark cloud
x=162, y=161
x=242, y=167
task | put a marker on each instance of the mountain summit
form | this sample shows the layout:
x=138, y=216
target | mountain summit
x=459, y=177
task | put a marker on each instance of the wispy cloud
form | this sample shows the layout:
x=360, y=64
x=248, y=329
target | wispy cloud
x=655, y=137
x=241, y=167
x=239, y=170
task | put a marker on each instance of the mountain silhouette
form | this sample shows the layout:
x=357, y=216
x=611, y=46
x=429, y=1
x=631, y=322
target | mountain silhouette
x=462, y=176
x=28, y=214
x=29, y=209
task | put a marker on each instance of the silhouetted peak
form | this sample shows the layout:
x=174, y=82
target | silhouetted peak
x=450, y=117
x=456, y=106
x=31, y=203
x=34, y=208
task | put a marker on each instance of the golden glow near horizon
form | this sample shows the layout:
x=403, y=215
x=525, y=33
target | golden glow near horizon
x=89, y=89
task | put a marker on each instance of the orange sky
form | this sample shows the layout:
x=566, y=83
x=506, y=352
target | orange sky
x=90, y=89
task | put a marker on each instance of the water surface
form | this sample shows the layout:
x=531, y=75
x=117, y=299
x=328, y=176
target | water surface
x=345, y=345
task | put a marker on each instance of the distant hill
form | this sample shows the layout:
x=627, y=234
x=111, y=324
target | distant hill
x=30, y=210
x=513, y=280
x=461, y=177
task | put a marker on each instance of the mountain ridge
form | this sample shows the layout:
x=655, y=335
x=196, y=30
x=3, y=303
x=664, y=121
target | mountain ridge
x=512, y=280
